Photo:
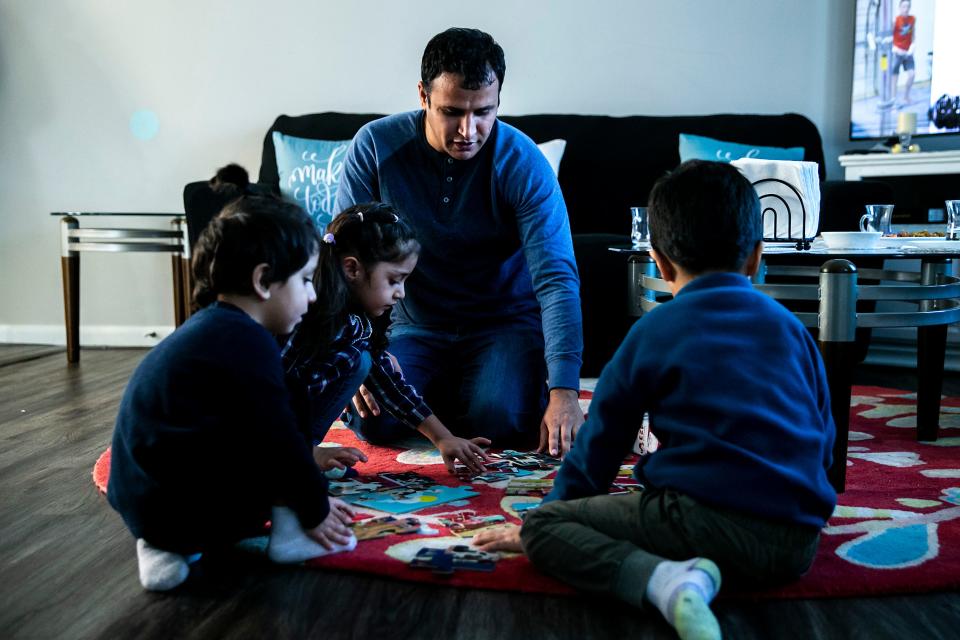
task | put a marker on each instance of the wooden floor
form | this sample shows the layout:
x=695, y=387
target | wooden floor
x=68, y=567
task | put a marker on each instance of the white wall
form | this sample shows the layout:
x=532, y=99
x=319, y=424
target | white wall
x=217, y=72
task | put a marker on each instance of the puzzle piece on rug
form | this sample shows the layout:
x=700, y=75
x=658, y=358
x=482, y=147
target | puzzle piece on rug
x=354, y=486
x=497, y=471
x=408, y=479
x=619, y=488
x=529, y=461
x=406, y=499
x=446, y=561
x=467, y=523
x=523, y=508
x=501, y=475
x=384, y=526
x=529, y=487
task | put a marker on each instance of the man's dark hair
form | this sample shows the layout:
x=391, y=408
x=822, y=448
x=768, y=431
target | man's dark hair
x=705, y=216
x=470, y=53
x=249, y=231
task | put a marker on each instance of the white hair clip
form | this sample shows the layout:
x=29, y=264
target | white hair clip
x=360, y=215
x=329, y=239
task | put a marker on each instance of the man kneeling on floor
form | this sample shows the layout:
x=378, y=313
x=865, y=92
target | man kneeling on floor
x=737, y=395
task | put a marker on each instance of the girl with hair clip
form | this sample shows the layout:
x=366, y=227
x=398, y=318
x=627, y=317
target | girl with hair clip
x=365, y=257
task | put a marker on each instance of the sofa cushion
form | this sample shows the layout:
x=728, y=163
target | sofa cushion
x=552, y=150
x=309, y=173
x=703, y=148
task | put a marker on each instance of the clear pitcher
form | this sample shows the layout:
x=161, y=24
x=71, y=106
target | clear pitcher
x=877, y=218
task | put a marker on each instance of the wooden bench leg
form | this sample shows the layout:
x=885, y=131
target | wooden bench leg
x=178, y=312
x=70, y=266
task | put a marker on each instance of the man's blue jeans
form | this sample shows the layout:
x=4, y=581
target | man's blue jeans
x=488, y=382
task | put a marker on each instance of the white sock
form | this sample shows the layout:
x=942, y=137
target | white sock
x=160, y=570
x=289, y=543
x=682, y=592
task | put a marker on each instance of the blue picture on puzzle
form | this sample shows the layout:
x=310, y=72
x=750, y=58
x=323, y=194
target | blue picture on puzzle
x=406, y=500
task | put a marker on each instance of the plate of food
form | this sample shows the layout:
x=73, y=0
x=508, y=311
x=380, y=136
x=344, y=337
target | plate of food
x=915, y=238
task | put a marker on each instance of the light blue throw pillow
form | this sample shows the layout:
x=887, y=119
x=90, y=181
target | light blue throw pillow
x=702, y=148
x=310, y=173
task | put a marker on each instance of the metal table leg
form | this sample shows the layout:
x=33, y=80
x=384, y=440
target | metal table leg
x=838, y=323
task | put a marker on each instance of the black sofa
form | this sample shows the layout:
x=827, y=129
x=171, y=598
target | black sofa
x=609, y=165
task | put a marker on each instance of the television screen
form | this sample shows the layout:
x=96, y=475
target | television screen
x=906, y=68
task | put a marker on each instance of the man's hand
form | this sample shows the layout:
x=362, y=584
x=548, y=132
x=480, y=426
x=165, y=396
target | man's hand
x=466, y=451
x=500, y=539
x=560, y=423
x=337, y=457
x=334, y=529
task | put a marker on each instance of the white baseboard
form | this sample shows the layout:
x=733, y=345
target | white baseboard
x=90, y=336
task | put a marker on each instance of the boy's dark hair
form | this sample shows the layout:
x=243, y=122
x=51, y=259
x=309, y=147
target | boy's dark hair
x=249, y=231
x=372, y=232
x=705, y=216
x=470, y=53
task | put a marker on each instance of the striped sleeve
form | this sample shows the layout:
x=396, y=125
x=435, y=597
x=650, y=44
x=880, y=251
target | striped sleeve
x=394, y=393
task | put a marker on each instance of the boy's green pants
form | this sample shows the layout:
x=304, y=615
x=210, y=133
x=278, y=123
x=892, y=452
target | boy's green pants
x=611, y=544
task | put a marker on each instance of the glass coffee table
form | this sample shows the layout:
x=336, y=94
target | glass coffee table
x=104, y=237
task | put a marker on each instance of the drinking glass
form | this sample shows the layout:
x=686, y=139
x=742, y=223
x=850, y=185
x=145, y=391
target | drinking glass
x=639, y=229
x=953, y=219
x=877, y=218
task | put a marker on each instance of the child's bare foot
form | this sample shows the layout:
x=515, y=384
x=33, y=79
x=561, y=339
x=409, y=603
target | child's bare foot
x=289, y=543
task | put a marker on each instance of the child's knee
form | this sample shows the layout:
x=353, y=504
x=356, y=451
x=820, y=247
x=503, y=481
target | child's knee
x=536, y=533
x=378, y=430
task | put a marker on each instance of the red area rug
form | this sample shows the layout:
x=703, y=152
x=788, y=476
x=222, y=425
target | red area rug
x=896, y=528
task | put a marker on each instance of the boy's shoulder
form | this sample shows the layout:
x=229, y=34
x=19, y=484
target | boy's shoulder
x=220, y=329
x=722, y=293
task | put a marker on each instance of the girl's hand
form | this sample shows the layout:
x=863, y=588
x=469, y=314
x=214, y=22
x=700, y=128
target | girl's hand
x=365, y=404
x=466, y=451
x=500, y=539
x=333, y=531
x=337, y=457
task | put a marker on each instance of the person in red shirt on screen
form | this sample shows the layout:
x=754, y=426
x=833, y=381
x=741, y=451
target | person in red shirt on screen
x=904, y=26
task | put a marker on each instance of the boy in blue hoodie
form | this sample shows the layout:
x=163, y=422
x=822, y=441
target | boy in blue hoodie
x=737, y=395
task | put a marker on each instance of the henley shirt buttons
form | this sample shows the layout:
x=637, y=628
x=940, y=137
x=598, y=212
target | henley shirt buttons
x=446, y=199
x=449, y=178
x=449, y=160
